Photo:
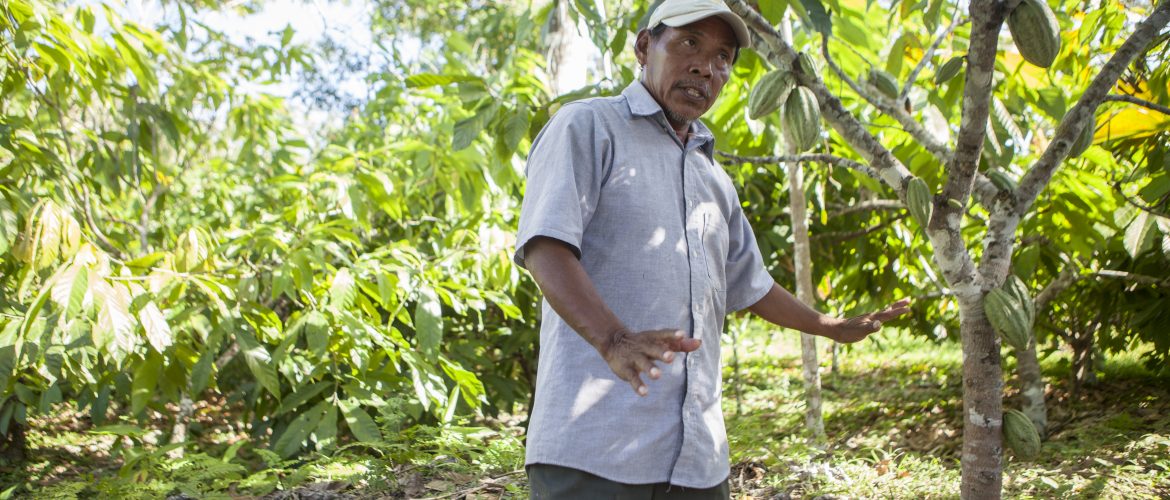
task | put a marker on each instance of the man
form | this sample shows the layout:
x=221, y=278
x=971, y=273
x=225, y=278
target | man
x=639, y=244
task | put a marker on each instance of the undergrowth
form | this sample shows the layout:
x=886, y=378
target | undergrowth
x=892, y=413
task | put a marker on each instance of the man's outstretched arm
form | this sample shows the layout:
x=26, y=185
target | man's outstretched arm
x=779, y=307
x=571, y=293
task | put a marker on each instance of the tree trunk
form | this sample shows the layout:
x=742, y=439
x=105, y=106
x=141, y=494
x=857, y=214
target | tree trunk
x=568, y=51
x=804, y=292
x=982, y=403
x=1032, y=387
x=179, y=430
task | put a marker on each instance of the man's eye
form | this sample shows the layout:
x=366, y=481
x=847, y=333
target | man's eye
x=689, y=42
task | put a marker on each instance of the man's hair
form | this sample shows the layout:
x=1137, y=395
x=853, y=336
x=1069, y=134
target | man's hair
x=658, y=30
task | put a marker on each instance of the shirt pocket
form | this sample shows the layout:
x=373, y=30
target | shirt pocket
x=715, y=249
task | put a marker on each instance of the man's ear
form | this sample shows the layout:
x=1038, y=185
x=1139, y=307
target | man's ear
x=642, y=46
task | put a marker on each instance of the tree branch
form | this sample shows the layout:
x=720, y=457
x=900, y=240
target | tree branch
x=929, y=54
x=889, y=108
x=1067, y=277
x=1070, y=127
x=1139, y=101
x=840, y=236
x=803, y=158
x=867, y=206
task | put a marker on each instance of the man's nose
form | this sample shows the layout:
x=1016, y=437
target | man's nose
x=701, y=68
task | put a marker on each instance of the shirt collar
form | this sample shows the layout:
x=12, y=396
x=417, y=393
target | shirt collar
x=643, y=104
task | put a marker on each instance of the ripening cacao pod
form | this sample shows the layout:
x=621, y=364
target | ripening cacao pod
x=919, y=201
x=884, y=82
x=1035, y=31
x=949, y=69
x=1001, y=180
x=770, y=93
x=806, y=64
x=1084, y=140
x=802, y=119
x=1020, y=434
x=1008, y=318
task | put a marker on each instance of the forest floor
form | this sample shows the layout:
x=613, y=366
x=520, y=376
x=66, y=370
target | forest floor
x=891, y=411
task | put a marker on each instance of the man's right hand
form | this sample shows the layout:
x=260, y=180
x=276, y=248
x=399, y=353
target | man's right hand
x=631, y=354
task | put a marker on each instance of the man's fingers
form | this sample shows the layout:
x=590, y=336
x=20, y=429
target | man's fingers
x=636, y=383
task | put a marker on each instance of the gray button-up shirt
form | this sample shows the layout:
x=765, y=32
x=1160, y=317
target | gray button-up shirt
x=660, y=231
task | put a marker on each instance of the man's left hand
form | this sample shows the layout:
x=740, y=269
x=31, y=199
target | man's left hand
x=859, y=327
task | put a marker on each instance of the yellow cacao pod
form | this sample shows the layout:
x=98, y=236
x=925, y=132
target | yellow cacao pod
x=770, y=93
x=1035, y=31
x=1020, y=434
x=802, y=119
x=918, y=200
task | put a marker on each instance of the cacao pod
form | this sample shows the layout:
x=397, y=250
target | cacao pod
x=806, y=64
x=1019, y=292
x=802, y=119
x=1020, y=434
x=1008, y=319
x=884, y=83
x=949, y=70
x=1035, y=31
x=919, y=201
x=1084, y=140
x=1001, y=180
x=769, y=93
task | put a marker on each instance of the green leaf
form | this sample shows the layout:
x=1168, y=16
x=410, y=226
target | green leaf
x=773, y=10
x=7, y=365
x=158, y=331
x=145, y=380
x=1136, y=235
x=361, y=424
x=298, y=430
x=119, y=430
x=259, y=362
x=423, y=80
x=818, y=16
x=301, y=396
x=317, y=332
x=201, y=372
x=428, y=322
x=326, y=433
x=468, y=129
x=343, y=290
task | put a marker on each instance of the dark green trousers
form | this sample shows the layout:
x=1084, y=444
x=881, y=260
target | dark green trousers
x=551, y=482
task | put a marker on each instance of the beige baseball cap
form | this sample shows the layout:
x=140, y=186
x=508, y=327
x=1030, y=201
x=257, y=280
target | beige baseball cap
x=675, y=13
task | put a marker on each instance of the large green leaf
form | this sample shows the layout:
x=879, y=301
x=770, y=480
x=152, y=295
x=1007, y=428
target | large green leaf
x=259, y=362
x=143, y=384
x=428, y=322
x=361, y=424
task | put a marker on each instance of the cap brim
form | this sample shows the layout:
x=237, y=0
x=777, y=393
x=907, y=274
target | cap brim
x=737, y=24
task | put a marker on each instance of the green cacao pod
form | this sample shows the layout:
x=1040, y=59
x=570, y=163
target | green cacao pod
x=1035, y=31
x=1001, y=180
x=1007, y=318
x=802, y=119
x=919, y=201
x=1019, y=293
x=884, y=82
x=806, y=64
x=1084, y=140
x=949, y=69
x=769, y=93
x=1020, y=434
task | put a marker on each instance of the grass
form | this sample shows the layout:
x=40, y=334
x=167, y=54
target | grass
x=892, y=413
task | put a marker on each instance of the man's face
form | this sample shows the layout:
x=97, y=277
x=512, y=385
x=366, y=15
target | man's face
x=686, y=67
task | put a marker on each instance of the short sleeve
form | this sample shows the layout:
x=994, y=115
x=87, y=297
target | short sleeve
x=566, y=168
x=747, y=278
